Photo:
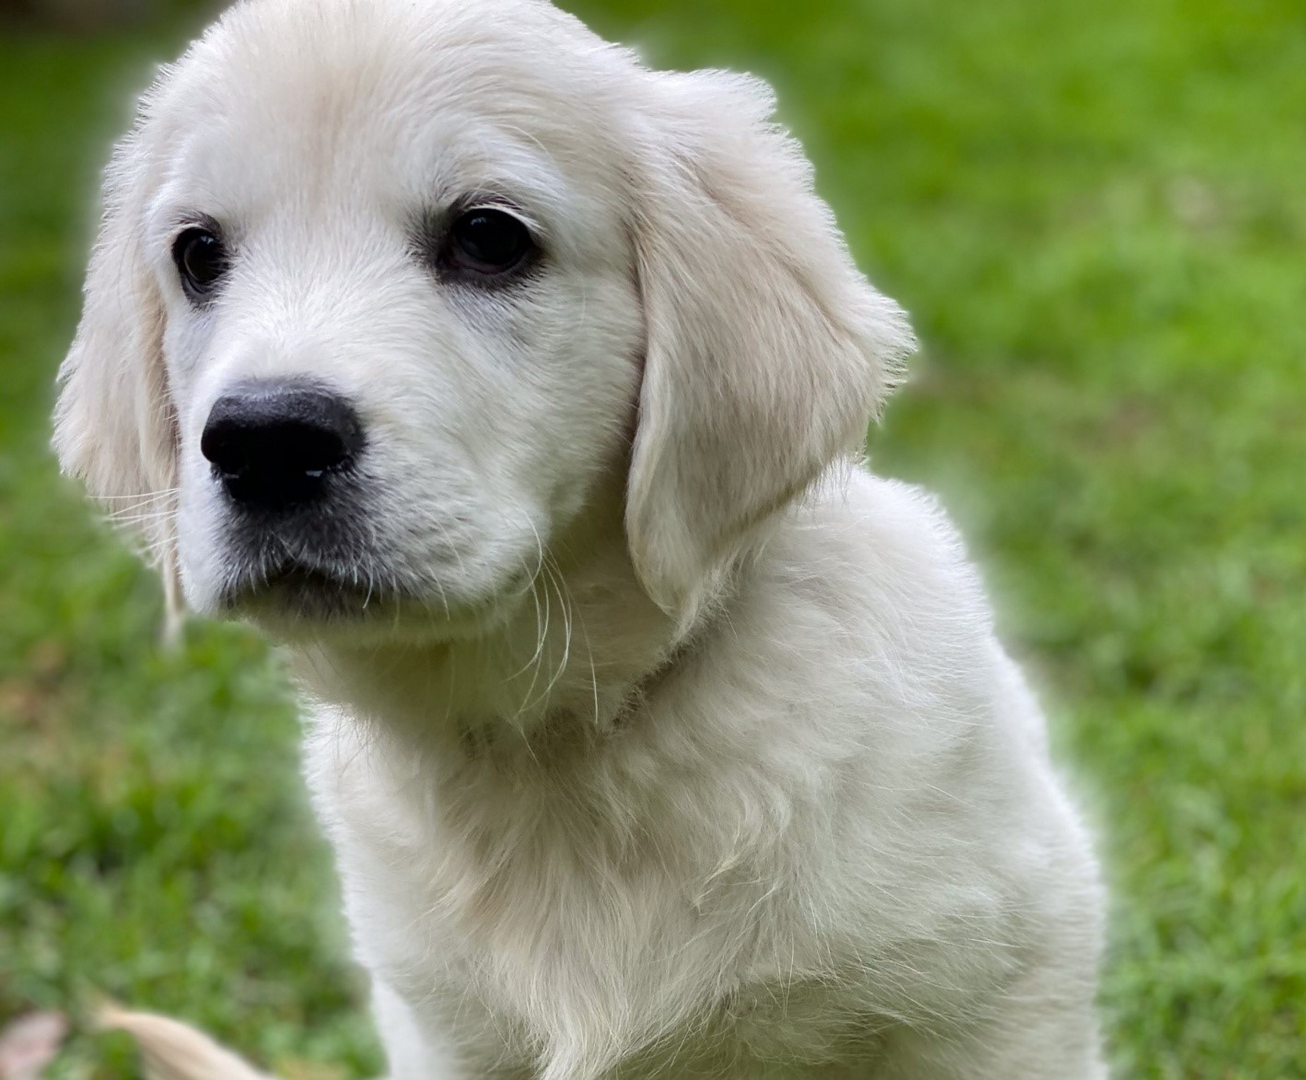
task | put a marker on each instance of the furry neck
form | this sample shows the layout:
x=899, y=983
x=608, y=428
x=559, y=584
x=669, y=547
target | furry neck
x=570, y=659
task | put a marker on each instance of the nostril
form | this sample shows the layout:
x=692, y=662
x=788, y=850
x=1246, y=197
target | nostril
x=311, y=448
x=222, y=445
x=272, y=443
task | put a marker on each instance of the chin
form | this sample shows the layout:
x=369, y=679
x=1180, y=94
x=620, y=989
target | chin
x=309, y=605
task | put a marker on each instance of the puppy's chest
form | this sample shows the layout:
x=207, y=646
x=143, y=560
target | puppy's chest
x=536, y=880
x=626, y=976
x=565, y=921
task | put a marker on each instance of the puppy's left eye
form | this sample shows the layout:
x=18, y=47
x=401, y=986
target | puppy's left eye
x=488, y=242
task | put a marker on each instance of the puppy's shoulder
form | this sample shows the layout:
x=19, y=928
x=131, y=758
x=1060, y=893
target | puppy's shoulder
x=870, y=548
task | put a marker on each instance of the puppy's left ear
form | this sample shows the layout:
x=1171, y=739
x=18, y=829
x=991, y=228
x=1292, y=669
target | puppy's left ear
x=767, y=351
x=114, y=428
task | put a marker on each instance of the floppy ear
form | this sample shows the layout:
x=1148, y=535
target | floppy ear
x=114, y=427
x=767, y=351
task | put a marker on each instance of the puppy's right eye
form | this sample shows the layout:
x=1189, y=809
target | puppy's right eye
x=201, y=261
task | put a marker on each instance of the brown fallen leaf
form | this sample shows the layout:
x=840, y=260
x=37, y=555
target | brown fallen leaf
x=173, y=1050
x=30, y=1043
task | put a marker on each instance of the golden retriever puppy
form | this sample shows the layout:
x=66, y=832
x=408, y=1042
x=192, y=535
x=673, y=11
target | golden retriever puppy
x=520, y=391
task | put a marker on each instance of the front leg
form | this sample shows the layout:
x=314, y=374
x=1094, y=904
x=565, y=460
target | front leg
x=425, y=1047
x=1047, y=1030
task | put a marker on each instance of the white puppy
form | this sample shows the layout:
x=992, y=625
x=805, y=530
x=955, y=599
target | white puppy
x=520, y=390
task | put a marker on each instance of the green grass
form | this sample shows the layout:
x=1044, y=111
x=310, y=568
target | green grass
x=1096, y=214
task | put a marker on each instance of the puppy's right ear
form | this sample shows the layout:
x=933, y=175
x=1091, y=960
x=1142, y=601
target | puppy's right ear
x=114, y=427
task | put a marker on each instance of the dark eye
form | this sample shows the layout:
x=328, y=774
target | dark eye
x=201, y=260
x=487, y=241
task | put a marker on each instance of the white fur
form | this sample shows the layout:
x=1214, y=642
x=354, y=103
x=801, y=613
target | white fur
x=673, y=742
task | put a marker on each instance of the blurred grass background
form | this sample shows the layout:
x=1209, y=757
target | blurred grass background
x=1097, y=216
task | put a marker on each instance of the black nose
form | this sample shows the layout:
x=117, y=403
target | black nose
x=273, y=443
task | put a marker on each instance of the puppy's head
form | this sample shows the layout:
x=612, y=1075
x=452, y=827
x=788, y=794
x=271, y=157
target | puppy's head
x=383, y=291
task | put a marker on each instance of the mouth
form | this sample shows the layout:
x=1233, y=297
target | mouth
x=315, y=575
x=296, y=601
x=313, y=594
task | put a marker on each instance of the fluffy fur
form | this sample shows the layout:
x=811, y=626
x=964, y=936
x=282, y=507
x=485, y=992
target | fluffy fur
x=655, y=737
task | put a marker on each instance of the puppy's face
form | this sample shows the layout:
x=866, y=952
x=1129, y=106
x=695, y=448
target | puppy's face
x=400, y=324
x=381, y=288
